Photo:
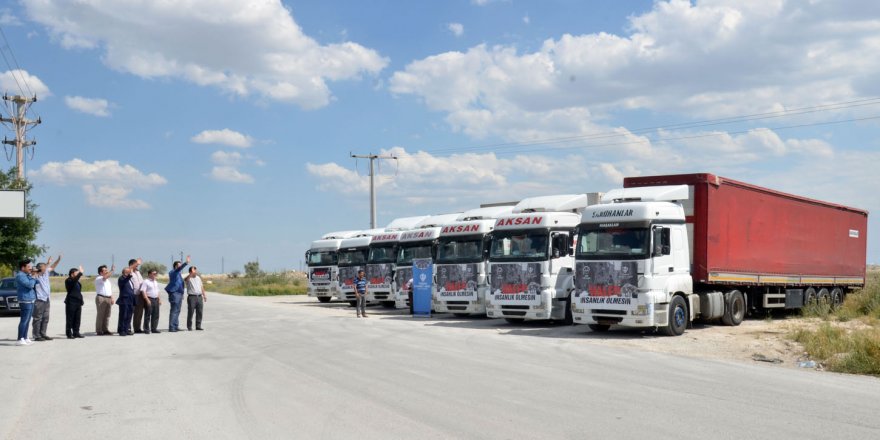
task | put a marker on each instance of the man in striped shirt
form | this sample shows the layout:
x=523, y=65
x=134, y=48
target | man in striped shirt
x=360, y=292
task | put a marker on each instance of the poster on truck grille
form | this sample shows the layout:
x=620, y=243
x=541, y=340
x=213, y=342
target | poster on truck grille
x=423, y=284
x=457, y=281
x=320, y=275
x=402, y=275
x=379, y=276
x=520, y=282
x=347, y=275
x=605, y=282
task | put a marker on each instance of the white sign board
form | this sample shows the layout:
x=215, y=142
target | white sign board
x=12, y=204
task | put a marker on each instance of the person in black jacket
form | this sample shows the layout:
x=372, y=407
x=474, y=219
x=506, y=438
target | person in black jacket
x=125, y=303
x=73, y=303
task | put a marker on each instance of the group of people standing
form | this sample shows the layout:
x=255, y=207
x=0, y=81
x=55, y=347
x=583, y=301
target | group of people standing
x=138, y=299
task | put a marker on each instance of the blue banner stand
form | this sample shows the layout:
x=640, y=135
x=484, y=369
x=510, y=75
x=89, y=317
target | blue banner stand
x=423, y=281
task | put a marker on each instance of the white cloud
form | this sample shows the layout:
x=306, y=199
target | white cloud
x=18, y=81
x=526, y=19
x=706, y=59
x=92, y=106
x=105, y=183
x=224, y=158
x=230, y=174
x=223, y=137
x=7, y=18
x=457, y=29
x=243, y=48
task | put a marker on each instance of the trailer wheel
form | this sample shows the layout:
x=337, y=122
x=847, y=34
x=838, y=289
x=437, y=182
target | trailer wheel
x=734, y=308
x=823, y=297
x=324, y=299
x=599, y=328
x=514, y=321
x=810, y=296
x=836, y=297
x=353, y=303
x=678, y=317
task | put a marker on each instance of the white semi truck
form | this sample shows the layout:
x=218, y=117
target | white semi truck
x=531, y=259
x=352, y=257
x=382, y=259
x=462, y=262
x=419, y=242
x=321, y=259
x=665, y=250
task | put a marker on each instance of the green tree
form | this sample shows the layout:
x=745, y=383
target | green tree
x=147, y=266
x=252, y=269
x=17, y=236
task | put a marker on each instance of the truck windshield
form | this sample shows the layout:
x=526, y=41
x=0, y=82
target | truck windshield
x=406, y=253
x=614, y=243
x=458, y=250
x=383, y=254
x=519, y=245
x=352, y=257
x=325, y=258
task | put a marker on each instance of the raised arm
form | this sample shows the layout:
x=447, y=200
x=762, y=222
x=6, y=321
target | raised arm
x=109, y=272
x=53, y=266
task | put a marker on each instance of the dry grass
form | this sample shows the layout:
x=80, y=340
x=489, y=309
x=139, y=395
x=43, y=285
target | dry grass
x=264, y=285
x=847, y=348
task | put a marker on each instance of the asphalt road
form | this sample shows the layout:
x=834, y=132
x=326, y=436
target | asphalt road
x=268, y=368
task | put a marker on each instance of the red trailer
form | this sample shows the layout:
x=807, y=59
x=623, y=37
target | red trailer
x=790, y=249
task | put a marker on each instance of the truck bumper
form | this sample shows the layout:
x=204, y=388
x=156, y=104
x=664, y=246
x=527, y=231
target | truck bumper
x=529, y=312
x=468, y=306
x=322, y=290
x=380, y=295
x=642, y=313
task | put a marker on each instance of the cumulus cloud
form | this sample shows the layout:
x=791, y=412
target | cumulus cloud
x=243, y=48
x=105, y=183
x=457, y=29
x=703, y=59
x=224, y=158
x=18, y=81
x=92, y=106
x=223, y=137
x=230, y=174
x=7, y=18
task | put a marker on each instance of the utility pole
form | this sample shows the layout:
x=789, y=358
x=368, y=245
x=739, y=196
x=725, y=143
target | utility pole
x=20, y=124
x=373, y=157
x=222, y=264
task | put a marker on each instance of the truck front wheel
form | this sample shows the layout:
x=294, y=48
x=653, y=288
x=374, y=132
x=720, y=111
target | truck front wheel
x=734, y=308
x=678, y=317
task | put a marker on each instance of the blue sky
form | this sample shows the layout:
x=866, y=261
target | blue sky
x=222, y=128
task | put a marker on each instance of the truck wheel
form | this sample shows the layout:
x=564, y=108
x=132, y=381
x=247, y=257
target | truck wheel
x=836, y=298
x=569, y=320
x=678, y=317
x=353, y=303
x=514, y=321
x=388, y=304
x=823, y=297
x=599, y=328
x=809, y=296
x=324, y=299
x=734, y=308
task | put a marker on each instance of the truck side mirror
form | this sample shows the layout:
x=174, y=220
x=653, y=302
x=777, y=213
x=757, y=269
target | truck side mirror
x=487, y=246
x=308, y=254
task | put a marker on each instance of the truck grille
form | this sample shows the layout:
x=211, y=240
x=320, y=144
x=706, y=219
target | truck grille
x=381, y=296
x=514, y=310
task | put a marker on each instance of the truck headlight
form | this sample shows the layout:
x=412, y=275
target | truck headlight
x=641, y=310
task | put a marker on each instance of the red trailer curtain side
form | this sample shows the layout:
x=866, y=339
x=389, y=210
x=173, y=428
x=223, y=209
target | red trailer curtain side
x=746, y=234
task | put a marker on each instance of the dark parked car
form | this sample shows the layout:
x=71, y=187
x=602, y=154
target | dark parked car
x=8, y=296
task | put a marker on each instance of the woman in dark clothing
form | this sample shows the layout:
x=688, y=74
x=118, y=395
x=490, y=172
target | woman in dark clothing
x=73, y=303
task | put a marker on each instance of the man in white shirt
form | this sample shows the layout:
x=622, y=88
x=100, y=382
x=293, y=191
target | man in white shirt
x=149, y=294
x=195, y=298
x=136, y=280
x=103, y=300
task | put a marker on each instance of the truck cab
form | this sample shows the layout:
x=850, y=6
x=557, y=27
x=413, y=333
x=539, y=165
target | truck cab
x=321, y=259
x=352, y=257
x=419, y=242
x=382, y=259
x=632, y=258
x=530, y=259
x=462, y=262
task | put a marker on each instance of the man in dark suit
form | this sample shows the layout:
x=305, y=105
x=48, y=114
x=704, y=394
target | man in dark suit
x=125, y=302
x=73, y=303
